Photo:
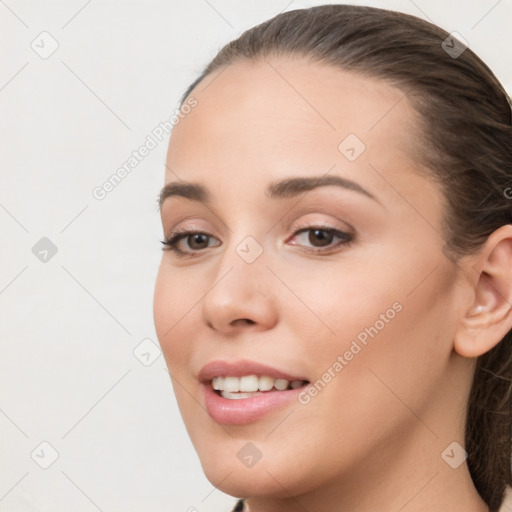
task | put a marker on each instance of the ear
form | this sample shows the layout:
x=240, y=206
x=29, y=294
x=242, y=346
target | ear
x=489, y=317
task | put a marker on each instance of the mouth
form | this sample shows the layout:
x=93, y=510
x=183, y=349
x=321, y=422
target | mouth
x=248, y=386
x=237, y=393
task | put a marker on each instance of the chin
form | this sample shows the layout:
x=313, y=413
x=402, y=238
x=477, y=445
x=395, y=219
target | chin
x=253, y=482
x=271, y=476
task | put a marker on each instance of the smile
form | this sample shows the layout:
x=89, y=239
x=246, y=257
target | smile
x=244, y=391
x=247, y=386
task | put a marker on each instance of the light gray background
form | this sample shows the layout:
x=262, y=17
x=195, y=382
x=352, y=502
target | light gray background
x=69, y=326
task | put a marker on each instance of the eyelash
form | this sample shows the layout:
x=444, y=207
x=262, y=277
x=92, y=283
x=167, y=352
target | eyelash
x=171, y=243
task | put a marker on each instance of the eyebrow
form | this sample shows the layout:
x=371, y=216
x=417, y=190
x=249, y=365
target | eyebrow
x=286, y=188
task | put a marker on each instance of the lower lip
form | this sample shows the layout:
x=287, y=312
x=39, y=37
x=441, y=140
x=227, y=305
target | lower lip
x=245, y=410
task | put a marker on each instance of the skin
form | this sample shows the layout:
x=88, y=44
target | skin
x=372, y=439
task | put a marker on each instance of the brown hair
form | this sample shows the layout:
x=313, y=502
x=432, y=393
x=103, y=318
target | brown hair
x=465, y=116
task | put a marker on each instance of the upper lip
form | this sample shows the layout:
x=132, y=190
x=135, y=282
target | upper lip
x=240, y=368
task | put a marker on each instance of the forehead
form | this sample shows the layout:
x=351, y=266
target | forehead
x=289, y=106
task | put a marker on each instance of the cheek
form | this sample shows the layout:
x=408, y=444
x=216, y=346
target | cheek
x=340, y=307
x=170, y=310
x=395, y=342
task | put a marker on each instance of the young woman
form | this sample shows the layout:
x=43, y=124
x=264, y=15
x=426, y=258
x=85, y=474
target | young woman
x=334, y=300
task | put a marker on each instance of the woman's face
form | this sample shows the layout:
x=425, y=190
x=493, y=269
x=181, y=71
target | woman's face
x=363, y=327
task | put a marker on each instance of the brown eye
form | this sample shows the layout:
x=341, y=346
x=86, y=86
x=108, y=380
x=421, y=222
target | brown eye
x=322, y=236
x=197, y=241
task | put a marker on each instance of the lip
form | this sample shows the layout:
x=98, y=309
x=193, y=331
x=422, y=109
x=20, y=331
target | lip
x=240, y=368
x=245, y=410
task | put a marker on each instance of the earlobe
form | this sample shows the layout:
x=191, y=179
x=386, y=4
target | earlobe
x=489, y=317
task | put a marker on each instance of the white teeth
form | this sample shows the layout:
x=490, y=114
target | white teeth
x=218, y=383
x=249, y=383
x=236, y=396
x=281, y=384
x=231, y=384
x=265, y=383
x=241, y=386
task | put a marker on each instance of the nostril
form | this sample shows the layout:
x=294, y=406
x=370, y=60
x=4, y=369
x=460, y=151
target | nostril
x=244, y=320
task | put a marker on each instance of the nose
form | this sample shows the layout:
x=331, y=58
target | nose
x=240, y=295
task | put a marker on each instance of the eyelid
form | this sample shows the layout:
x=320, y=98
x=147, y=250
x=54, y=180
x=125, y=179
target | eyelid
x=309, y=218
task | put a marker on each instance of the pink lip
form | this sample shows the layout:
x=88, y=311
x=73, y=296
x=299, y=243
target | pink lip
x=244, y=410
x=241, y=368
